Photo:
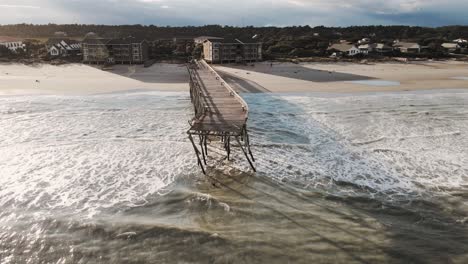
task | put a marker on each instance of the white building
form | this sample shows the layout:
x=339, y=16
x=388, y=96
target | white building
x=451, y=47
x=13, y=44
x=460, y=41
x=345, y=48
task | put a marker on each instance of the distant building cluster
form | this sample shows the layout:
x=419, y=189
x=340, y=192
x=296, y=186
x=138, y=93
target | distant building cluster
x=365, y=46
x=94, y=49
x=131, y=50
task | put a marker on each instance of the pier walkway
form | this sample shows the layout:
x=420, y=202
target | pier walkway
x=219, y=112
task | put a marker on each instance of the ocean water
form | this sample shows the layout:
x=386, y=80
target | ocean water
x=112, y=178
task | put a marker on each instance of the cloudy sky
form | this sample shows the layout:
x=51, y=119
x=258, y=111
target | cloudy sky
x=237, y=12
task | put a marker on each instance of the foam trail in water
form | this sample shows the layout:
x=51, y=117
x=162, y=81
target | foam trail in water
x=86, y=154
x=397, y=145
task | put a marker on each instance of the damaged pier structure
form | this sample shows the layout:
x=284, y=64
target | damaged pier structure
x=219, y=112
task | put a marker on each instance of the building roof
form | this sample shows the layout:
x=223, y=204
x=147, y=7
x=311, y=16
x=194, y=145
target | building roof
x=382, y=46
x=343, y=47
x=96, y=41
x=407, y=45
x=56, y=40
x=4, y=39
x=450, y=45
x=367, y=46
x=248, y=41
x=206, y=37
x=128, y=40
x=233, y=41
x=460, y=40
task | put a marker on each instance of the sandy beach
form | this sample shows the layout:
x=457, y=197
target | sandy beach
x=84, y=79
x=261, y=77
x=346, y=77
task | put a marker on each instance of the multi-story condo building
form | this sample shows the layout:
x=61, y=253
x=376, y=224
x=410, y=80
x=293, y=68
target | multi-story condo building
x=123, y=50
x=95, y=50
x=128, y=50
x=231, y=50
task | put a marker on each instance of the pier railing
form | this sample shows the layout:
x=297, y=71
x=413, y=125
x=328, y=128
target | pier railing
x=245, y=107
x=196, y=94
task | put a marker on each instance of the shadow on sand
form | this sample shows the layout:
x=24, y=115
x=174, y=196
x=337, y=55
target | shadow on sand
x=157, y=73
x=300, y=72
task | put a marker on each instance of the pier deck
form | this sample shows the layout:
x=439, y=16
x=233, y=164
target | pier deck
x=219, y=111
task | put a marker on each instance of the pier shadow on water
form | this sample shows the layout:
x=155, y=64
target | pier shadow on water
x=276, y=216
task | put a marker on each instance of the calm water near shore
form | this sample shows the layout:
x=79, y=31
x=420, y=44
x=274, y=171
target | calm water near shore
x=370, y=178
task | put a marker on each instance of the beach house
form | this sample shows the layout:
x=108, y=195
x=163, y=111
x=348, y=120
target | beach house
x=12, y=43
x=382, y=48
x=451, y=47
x=367, y=48
x=407, y=47
x=344, y=49
x=63, y=47
x=231, y=50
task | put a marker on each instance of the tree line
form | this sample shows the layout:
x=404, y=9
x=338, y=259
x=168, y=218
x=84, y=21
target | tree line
x=277, y=41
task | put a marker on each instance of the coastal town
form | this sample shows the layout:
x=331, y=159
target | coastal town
x=94, y=49
x=285, y=131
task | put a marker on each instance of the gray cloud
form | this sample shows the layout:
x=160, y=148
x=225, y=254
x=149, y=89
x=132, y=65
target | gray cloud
x=240, y=12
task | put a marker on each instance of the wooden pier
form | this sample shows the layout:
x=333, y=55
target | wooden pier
x=219, y=112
